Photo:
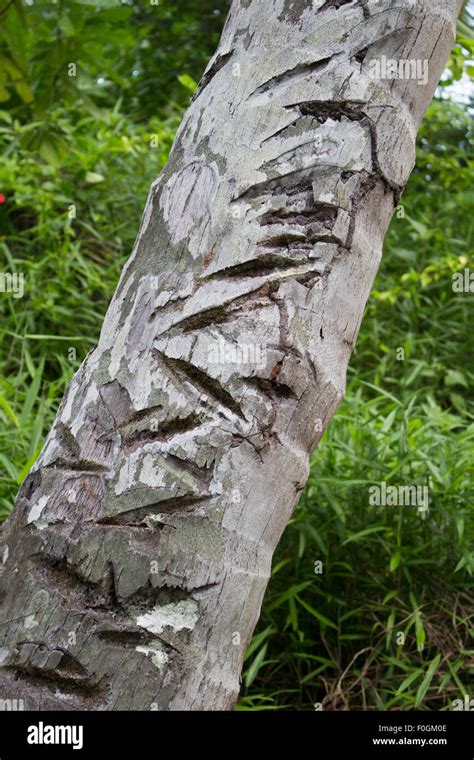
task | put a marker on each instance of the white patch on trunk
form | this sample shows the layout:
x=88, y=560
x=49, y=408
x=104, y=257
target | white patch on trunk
x=36, y=509
x=151, y=473
x=158, y=655
x=29, y=622
x=176, y=615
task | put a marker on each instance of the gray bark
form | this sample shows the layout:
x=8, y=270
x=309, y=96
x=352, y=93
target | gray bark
x=139, y=550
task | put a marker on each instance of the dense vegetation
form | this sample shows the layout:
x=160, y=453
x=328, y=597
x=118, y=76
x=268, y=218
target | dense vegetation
x=80, y=147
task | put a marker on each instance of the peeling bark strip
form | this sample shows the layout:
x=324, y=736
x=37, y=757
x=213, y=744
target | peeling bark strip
x=136, y=559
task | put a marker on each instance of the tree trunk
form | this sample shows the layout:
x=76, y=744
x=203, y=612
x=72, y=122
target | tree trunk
x=140, y=547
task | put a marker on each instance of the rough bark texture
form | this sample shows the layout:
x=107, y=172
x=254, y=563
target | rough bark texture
x=139, y=550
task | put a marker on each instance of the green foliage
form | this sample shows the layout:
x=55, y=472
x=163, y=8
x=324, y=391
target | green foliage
x=87, y=53
x=460, y=61
x=79, y=154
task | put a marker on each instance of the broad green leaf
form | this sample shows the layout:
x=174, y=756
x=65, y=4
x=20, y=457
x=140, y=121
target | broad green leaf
x=426, y=683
